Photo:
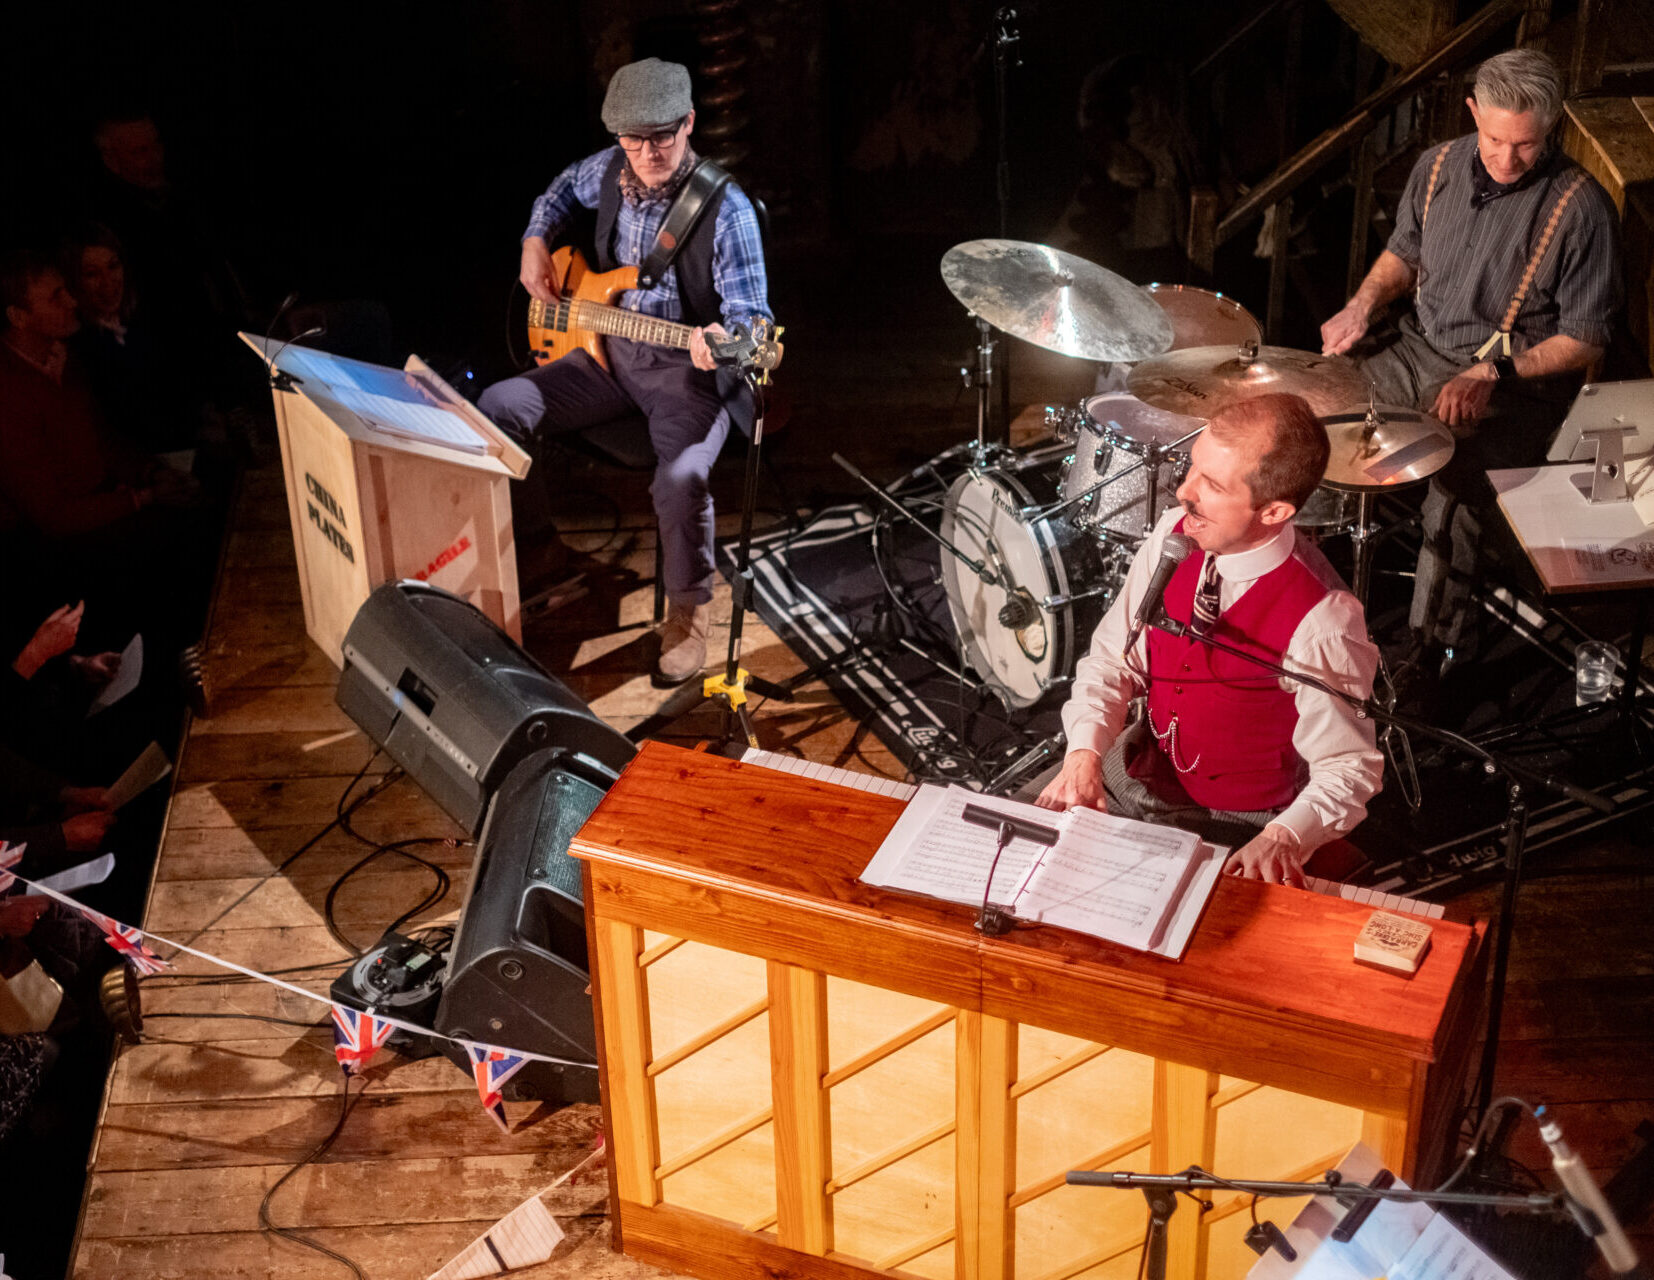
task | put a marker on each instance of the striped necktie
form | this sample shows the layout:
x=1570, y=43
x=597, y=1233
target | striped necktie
x=1207, y=603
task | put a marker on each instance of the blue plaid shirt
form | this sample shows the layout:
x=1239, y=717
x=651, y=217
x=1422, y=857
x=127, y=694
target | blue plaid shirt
x=737, y=252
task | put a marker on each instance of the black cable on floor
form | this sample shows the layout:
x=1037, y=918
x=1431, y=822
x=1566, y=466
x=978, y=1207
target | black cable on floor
x=345, y=1105
x=399, y=847
x=252, y=1017
x=339, y=818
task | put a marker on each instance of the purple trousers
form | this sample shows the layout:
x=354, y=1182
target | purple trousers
x=687, y=426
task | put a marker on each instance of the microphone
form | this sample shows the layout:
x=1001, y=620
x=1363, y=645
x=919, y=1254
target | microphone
x=280, y=381
x=1173, y=552
x=1590, y=1208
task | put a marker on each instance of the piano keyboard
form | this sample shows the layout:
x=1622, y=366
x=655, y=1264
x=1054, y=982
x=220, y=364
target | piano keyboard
x=1375, y=898
x=829, y=773
x=904, y=790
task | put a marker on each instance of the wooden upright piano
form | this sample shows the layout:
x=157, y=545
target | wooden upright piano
x=804, y=1076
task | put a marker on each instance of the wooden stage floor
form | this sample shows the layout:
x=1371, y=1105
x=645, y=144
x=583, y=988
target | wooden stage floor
x=202, y=1119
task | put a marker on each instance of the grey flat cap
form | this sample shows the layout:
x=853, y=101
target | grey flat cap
x=646, y=95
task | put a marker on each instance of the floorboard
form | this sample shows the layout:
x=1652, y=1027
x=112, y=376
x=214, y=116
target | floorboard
x=203, y=1118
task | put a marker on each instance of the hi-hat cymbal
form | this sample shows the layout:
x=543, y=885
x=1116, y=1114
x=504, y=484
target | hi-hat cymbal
x=1384, y=446
x=1055, y=300
x=1199, y=381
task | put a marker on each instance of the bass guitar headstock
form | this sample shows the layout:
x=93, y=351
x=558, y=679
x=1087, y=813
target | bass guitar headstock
x=755, y=350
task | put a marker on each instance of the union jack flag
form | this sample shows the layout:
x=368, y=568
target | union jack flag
x=357, y=1036
x=10, y=856
x=130, y=943
x=492, y=1068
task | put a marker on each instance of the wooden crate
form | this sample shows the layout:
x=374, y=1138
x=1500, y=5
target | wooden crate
x=808, y=1076
x=368, y=507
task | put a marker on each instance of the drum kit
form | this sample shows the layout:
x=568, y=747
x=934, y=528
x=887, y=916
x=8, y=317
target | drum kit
x=1036, y=542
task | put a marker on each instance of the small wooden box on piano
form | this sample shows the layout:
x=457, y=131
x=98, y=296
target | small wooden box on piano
x=807, y=1074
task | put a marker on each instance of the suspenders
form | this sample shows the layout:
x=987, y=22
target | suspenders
x=1500, y=337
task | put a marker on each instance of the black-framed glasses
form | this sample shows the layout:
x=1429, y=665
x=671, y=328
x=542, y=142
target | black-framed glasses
x=660, y=139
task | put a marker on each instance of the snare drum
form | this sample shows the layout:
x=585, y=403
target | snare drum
x=1023, y=632
x=1329, y=512
x=1115, y=434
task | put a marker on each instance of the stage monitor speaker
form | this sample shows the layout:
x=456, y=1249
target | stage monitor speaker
x=454, y=700
x=517, y=971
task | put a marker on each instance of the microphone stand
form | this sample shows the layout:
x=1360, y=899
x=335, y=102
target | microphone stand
x=729, y=690
x=1518, y=780
x=1161, y=1191
x=1005, y=37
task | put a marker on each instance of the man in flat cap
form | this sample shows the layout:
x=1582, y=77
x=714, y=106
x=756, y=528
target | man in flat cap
x=621, y=197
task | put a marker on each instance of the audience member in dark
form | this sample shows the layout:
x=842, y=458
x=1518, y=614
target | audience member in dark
x=105, y=519
x=143, y=401
x=193, y=303
x=60, y=823
x=44, y=696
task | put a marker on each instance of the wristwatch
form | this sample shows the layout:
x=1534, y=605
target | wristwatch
x=1504, y=367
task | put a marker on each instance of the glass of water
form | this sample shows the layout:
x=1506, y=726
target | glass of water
x=1594, y=663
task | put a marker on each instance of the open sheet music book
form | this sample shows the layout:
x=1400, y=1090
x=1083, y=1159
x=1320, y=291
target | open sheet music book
x=1130, y=882
x=396, y=402
x=1398, y=1241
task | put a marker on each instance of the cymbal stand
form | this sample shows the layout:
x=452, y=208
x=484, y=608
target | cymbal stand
x=981, y=380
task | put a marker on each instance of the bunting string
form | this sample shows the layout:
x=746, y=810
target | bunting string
x=378, y=1028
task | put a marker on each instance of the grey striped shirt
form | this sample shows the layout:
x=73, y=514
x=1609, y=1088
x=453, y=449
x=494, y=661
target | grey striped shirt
x=1472, y=259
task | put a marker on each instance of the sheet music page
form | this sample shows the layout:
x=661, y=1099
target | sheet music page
x=1443, y=1252
x=933, y=850
x=1112, y=877
x=126, y=676
x=414, y=417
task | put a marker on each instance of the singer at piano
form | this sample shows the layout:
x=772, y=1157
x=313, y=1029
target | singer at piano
x=1214, y=744
x=622, y=206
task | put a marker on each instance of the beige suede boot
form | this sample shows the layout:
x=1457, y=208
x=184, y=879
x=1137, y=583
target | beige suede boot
x=683, y=642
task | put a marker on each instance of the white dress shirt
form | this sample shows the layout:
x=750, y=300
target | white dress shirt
x=1331, y=644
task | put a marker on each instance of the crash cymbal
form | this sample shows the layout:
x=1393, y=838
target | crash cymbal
x=1201, y=318
x=1055, y=300
x=1199, y=381
x=1384, y=446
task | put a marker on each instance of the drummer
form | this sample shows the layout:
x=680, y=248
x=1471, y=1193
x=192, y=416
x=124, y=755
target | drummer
x=1213, y=744
x=1512, y=253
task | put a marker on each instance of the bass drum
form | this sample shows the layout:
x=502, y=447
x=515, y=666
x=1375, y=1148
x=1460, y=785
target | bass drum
x=1024, y=631
x=1115, y=433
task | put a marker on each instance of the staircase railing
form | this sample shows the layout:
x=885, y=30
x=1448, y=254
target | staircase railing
x=1208, y=231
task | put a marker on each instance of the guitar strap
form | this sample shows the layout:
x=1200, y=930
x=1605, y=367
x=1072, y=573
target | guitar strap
x=705, y=181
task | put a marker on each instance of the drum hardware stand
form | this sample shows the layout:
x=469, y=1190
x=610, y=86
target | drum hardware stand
x=730, y=689
x=978, y=567
x=1030, y=761
x=1518, y=780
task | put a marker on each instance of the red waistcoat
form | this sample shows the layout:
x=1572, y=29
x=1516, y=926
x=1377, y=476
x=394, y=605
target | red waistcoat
x=1230, y=720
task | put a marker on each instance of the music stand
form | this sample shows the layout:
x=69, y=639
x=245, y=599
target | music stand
x=1613, y=419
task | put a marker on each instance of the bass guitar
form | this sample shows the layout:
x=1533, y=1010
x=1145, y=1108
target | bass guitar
x=584, y=314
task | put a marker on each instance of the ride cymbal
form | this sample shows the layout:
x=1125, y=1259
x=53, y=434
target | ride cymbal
x=1055, y=300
